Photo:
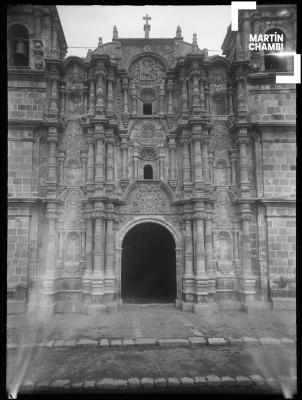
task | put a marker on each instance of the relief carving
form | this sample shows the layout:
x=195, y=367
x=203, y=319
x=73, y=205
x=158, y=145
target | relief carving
x=146, y=71
x=148, y=133
x=72, y=143
x=147, y=198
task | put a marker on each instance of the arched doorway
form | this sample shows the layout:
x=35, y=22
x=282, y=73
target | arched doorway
x=148, y=265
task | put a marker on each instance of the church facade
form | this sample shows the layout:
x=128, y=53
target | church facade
x=148, y=170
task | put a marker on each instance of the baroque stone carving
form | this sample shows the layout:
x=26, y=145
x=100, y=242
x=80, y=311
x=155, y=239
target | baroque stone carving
x=75, y=77
x=148, y=153
x=223, y=209
x=218, y=79
x=146, y=71
x=147, y=198
x=72, y=143
x=73, y=209
x=148, y=133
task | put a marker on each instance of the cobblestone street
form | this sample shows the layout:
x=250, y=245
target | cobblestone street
x=154, y=343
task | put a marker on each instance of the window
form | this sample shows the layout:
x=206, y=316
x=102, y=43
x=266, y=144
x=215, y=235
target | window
x=148, y=172
x=18, y=46
x=274, y=62
x=147, y=108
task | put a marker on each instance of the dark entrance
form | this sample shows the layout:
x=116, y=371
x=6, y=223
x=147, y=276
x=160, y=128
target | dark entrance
x=148, y=265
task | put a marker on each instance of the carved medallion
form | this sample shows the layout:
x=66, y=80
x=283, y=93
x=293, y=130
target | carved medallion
x=147, y=198
x=148, y=153
x=75, y=77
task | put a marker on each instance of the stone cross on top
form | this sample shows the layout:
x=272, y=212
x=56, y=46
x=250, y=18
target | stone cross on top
x=147, y=26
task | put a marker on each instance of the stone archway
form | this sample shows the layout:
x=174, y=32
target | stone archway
x=148, y=273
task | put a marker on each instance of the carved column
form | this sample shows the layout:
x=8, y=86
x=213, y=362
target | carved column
x=88, y=253
x=208, y=244
x=63, y=99
x=125, y=86
x=51, y=216
x=262, y=251
x=54, y=78
x=202, y=96
x=195, y=92
x=61, y=166
x=172, y=149
x=99, y=107
x=109, y=248
x=135, y=165
x=84, y=163
x=243, y=163
x=184, y=96
x=47, y=302
x=109, y=159
x=236, y=251
x=161, y=97
x=259, y=165
x=161, y=165
x=90, y=161
x=170, y=101
x=199, y=247
x=54, y=39
x=230, y=93
x=188, y=249
x=99, y=157
x=99, y=247
x=245, y=244
x=207, y=97
x=211, y=160
x=205, y=160
x=110, y=95
x=124, y=159
x=134, y=99
x=186, y=163
x=197, y=160
x=52, y=161
x=85, y=99
x=233, y=159
x=91, y=110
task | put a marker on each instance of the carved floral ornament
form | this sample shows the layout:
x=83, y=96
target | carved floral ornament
x=146, y=71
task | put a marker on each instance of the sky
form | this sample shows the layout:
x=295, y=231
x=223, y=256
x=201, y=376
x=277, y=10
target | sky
x=83, y=25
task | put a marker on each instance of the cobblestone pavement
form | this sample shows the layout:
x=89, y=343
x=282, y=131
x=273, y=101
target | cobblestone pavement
x=157, y=322
x=153, y=348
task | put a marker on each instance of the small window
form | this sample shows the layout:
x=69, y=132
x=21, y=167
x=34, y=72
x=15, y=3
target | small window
x=147, y=108
x=18, y=46
x=148, y=172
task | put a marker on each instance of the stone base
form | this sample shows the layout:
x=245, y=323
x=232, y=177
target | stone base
x=111, y=307
x=178, y=303
x=201, y=309
x=185, y=306
x=225, y=305
x=64, y=307
x=96, y=309
x=256, y=306
x=281, y=303
x=16, y=306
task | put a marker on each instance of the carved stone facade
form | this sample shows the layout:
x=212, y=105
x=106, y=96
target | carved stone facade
x=220, y=168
